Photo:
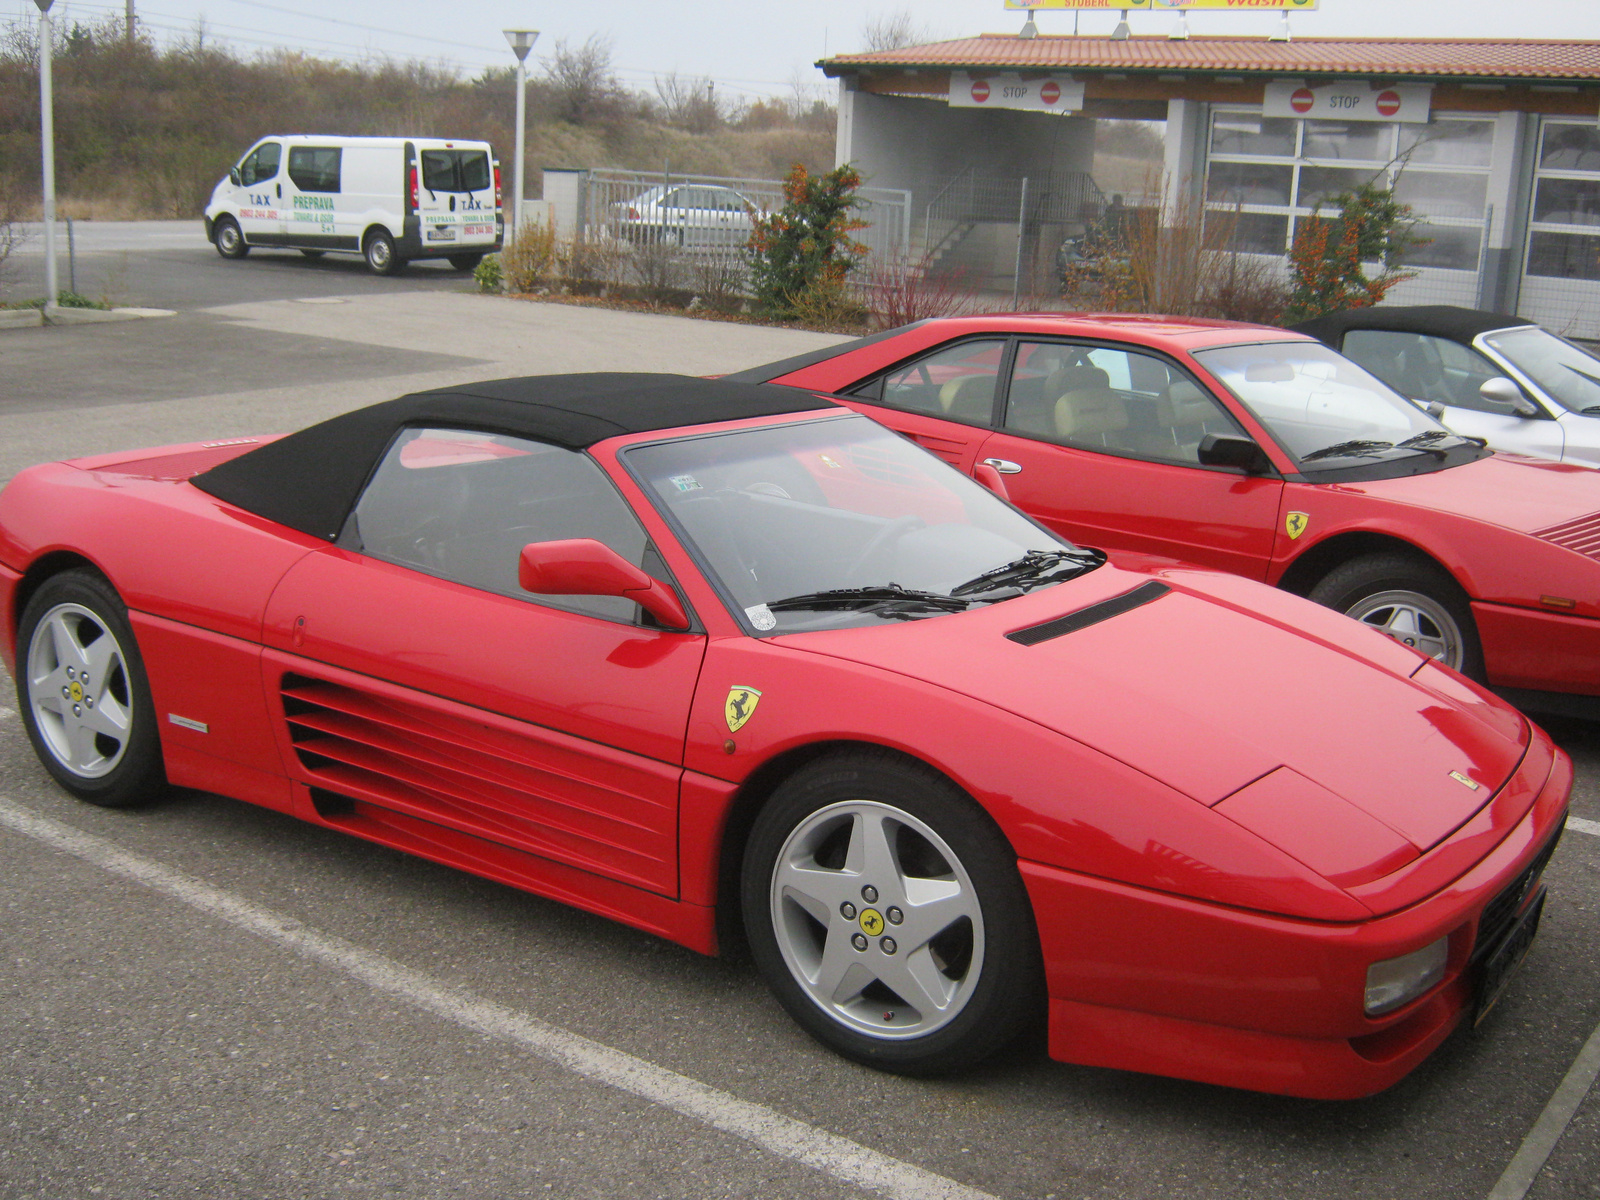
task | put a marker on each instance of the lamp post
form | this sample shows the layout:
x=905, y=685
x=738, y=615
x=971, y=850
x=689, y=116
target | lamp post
x=522, y=41
x=47, y=145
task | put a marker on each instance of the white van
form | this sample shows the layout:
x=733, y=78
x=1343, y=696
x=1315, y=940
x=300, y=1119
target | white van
x=388, y=199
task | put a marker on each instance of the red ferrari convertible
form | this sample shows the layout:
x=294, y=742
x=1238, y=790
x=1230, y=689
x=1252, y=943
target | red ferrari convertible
x=659, y=647
x=1264, y=453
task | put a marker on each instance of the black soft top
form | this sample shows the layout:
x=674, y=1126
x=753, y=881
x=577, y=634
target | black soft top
x=309, y=480
x=1440, y=320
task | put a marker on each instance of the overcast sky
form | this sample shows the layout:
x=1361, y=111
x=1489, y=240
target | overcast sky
x=748, y=47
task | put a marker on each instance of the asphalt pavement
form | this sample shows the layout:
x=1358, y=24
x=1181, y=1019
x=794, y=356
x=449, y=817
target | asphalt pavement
x=206, y=999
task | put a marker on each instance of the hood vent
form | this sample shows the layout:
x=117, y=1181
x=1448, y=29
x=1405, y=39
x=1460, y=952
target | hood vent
x=1581, y=535
x=1095, y=613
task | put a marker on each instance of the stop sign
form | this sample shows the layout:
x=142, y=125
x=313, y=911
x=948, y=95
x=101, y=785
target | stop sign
x=980, y=91
x=1050, y=92
x=1388, y=103
x=1302, y=100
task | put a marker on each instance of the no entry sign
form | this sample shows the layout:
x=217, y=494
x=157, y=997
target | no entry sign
x=1349, y=100
x=1034, y=92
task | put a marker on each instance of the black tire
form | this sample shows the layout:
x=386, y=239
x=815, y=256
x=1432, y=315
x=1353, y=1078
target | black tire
x=93, y=729
x=313, y=254
x=1413, y=601
x=982, y=946
x=229, y=239
x=466, y=262
x=381, y=255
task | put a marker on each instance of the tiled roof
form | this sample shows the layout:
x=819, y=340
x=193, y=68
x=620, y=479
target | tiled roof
x=1470, y=58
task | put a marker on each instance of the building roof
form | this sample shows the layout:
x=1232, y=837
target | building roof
x=310, y=479
x=1455, y=58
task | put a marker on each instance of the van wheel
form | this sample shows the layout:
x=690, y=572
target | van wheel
x=380, y=253
x=465, y=262
x=230, y=242
x=313, y=254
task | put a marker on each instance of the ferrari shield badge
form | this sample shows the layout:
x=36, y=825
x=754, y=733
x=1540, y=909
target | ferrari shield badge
x=740, y=706
x=1295, y=524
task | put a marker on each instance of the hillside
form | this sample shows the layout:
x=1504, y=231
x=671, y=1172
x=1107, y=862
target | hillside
x=145, y=131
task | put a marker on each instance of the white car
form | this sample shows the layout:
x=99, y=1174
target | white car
x=1519, y=387
x=687, y=214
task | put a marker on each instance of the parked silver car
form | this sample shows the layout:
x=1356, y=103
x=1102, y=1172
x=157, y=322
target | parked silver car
x=686, y=214
x=1504, y=379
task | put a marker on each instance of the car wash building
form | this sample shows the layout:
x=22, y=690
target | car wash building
x=1495, y=145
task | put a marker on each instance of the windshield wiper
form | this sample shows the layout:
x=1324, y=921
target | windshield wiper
x=893, y=599
x=1357, y=448
x=1424, y=441
x=1036, y=566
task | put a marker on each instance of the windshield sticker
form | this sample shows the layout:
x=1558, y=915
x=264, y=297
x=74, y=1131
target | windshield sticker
x=761, y=617
x=1295, y=524
x=686, y=483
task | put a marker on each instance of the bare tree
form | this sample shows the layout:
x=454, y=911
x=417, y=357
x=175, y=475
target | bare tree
x=583, y=86
x=690, y=104
x=895, y=30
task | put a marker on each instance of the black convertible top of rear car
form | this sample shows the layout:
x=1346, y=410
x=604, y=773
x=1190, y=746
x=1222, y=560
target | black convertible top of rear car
x=310, y=479
x=1440, y=320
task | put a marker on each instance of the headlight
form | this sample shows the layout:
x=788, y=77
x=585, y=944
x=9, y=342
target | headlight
x=1397, y=981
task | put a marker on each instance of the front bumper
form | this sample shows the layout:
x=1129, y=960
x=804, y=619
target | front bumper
x=1159, y=983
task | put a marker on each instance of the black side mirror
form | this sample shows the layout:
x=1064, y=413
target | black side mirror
x=1239, y=453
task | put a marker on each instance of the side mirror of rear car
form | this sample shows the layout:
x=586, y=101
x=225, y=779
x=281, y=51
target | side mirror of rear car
x=1503, y=393
x=585, y=567
x=990, y=478
x=1240, y=453
x=233, y=177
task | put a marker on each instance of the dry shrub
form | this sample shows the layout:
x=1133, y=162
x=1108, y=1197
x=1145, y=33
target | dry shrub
x=827, y=304
x=720, y=282
x=531, y=258
x=659, y=269
x=901, y=290
x=1176, y=259
x=590, y=268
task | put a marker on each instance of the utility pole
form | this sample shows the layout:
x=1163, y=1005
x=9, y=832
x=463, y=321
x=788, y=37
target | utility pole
x=521, y=42
x=47, y=151
x=132, y=22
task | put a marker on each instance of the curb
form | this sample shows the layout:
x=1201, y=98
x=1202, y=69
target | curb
x=28, y=318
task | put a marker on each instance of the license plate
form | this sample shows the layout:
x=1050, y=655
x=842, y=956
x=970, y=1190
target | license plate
x=441, y=233
x=1496, y=971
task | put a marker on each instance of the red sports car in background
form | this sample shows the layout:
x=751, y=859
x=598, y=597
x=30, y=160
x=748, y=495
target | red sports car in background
x=657, y=647
x=1264, y=453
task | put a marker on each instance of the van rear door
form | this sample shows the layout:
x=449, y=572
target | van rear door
x=456, y=200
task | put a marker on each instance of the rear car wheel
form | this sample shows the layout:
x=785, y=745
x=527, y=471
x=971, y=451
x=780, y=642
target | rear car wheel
x=886, y=913
x=230, y=241
x=380, y=253
x=83, y=692
x=465, y=262
x=1410, y=600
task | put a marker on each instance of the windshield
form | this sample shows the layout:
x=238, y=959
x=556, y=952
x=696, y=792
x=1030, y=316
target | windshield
x=840, y=522
x=1325, y=410
x=1568, y=374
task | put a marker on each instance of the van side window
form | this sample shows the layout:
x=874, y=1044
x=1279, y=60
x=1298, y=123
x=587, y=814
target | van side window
x=261, y=163
x=315, y=168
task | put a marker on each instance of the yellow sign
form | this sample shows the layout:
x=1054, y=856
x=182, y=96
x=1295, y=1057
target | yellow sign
x=871, y=922
x=739, y=707
x=1295, y=524
x=1167, y=5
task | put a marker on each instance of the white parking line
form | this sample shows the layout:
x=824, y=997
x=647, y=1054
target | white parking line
x=1552, y=1123
x=784, y=1136
x=1580, y=825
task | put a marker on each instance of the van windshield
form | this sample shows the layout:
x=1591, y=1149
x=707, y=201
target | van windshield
x=455, y=170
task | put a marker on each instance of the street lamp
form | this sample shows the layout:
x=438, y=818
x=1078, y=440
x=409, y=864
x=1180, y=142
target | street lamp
x=522, y=41
x=47, y=144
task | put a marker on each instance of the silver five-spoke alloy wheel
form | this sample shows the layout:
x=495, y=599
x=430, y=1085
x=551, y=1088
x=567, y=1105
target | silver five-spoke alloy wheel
x=1415, y=620
x=78, y=691
x=877, y=919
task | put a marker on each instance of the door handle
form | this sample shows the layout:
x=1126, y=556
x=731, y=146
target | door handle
x=1004, y=466
x=280, y=191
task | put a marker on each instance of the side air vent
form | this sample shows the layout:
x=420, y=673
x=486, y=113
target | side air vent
x=544, y=795
x=1581, y=535
x=1095, y=613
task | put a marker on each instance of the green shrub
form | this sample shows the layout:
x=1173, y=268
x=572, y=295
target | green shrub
x=801, y=254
